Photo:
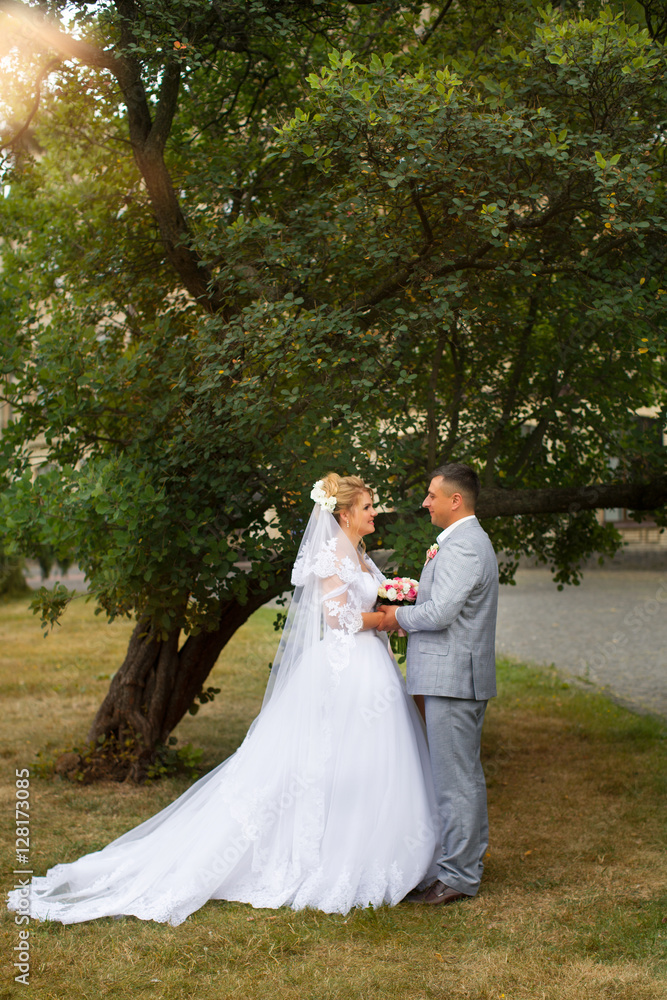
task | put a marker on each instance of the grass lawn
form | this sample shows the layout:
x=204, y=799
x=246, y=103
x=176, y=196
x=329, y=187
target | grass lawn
x=573, y=905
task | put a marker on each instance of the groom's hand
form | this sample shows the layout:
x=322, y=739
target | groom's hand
x=388, y=623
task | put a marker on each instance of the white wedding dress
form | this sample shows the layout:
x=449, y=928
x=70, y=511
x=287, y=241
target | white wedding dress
x=327, y=803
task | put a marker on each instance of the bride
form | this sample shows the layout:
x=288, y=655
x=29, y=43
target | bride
x=327, y=803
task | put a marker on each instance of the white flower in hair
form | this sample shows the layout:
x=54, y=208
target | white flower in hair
x=323, y=499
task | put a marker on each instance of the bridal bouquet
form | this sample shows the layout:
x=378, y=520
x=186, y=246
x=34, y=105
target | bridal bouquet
x=400, y=590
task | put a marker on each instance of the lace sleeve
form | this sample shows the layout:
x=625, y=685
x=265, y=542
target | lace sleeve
x=342, y=618
x=325, y=563
x=330, y=569
x=343, y=613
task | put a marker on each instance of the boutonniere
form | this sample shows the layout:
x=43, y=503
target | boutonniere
x=431, y=552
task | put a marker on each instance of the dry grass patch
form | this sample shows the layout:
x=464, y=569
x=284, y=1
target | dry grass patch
x=573, y=904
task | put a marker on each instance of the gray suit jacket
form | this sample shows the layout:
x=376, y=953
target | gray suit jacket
x=452, y=626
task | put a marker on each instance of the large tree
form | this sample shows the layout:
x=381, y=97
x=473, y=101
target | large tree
x=454, y=248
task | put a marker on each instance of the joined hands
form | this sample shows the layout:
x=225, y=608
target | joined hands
x=389, y=622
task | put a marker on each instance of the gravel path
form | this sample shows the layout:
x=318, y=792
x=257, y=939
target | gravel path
x=610, y=631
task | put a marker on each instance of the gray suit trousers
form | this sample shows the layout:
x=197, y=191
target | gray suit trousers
x=454, y=729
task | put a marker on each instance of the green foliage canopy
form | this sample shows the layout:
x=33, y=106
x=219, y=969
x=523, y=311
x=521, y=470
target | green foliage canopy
x=451, y=250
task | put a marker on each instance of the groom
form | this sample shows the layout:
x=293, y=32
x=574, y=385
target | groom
x=451, y=662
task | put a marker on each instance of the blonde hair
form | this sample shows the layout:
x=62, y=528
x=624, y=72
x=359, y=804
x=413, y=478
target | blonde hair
x=345, y=489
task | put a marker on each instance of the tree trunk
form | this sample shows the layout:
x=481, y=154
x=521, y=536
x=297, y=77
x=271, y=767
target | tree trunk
x=157, y=683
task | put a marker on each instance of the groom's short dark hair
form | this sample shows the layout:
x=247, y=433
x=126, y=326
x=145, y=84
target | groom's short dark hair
x=463, y=478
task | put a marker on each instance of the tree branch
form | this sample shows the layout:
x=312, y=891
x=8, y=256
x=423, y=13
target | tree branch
x=33, y=111
x=651, y=495
x=416, y=201
x=148, y=139
x=401, y=278
x=456, y=349
x=568, y=500
x=431, y=421
x=53, y=37
x=513, y=384
x=531, y=444
x=426, y=37
x=166, y=108
x=656, y=19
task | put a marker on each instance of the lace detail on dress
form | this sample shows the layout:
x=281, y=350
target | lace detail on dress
x=376, y=886
x=343, y=606
x=325, y=563
x=342, y=591
x=338, y=646
x=348, y=615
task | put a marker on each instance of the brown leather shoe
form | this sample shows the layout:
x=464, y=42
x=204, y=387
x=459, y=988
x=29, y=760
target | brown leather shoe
x=440, y=894
x=417, y=895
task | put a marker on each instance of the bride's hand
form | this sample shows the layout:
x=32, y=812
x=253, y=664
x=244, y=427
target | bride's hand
x=372, y=620
x=388, y=623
